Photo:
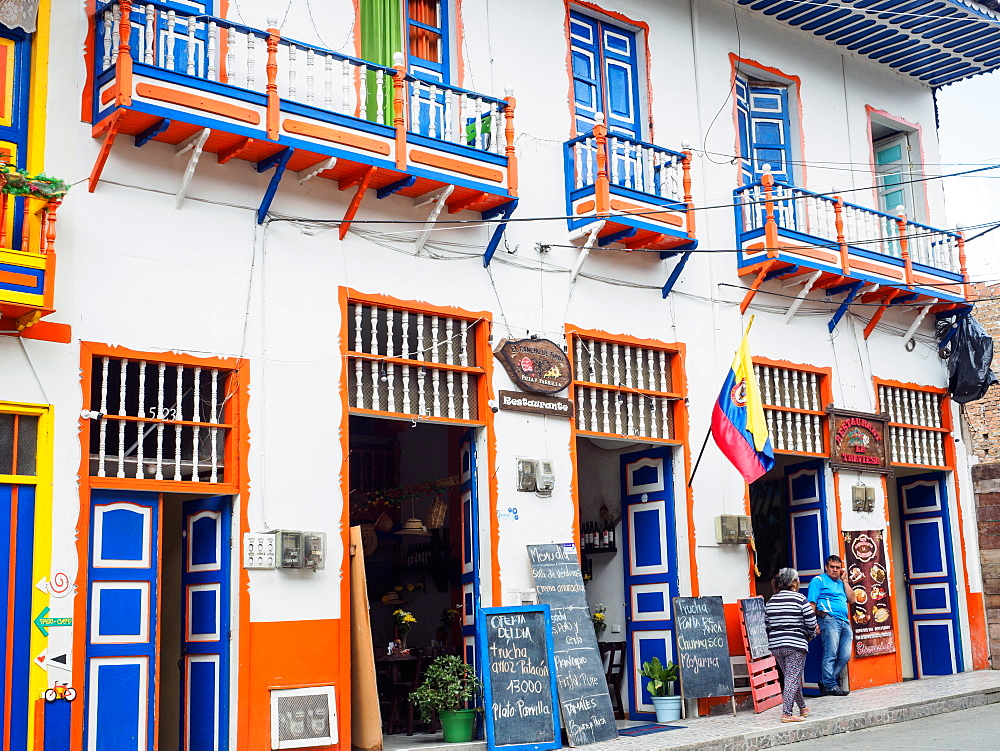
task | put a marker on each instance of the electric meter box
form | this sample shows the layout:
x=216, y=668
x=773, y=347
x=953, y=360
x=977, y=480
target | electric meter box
x=732, y=529
x=314, y=550
x=259, y=550
x=290, y=550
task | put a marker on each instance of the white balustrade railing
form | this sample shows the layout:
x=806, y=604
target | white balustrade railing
x=453, y=115
x=795, y=427
x=913, y=439
x=631, y=164
x=863, y=229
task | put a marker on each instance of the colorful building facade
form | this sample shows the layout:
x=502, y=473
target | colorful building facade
x=293, y=244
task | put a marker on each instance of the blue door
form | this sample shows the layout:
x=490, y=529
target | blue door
x=123, y=570
x=650, y=567
x=471, y=598
x=808, y=543
x=929, y=568
x=17, y=537
x=205, y=632
x=605, y=76
x=764, y=129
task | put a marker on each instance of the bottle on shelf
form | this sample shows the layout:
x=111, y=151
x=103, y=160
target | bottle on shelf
x=611, y=536
x=605, y=538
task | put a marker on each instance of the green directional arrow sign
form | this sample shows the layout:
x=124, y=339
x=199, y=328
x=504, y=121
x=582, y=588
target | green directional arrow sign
x=40, y=622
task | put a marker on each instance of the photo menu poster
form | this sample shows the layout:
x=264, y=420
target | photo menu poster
x=867, y=575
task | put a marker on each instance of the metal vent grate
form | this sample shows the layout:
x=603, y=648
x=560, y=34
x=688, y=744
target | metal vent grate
x=303, y=717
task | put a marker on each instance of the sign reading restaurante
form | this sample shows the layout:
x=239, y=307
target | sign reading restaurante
x=858, y=441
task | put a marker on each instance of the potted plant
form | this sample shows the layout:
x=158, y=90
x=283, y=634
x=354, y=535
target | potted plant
x=599, y=619
x=404, y=622
x=448, y=684
x=661, y=689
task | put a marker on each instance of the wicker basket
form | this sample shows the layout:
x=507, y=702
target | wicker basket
x=437, y=512
x=383, y=523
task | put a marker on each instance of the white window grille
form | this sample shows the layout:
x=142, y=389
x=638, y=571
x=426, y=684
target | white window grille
x=158, y=420
x=793, y=408
x=916, y=435
x=412, y=364
x=622, y=389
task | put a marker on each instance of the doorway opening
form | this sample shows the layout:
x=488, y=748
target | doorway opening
x=412, y=494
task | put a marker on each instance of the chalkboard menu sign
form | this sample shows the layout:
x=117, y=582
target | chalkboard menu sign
x=755, y=626
x=583, y=690
x=519, y=679
x=702, y=647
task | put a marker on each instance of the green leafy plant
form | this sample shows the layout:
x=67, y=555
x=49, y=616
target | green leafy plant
x=448, y=684
x=661, y=677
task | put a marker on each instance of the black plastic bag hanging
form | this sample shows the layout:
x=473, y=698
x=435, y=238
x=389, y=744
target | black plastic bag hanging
x=969, y=374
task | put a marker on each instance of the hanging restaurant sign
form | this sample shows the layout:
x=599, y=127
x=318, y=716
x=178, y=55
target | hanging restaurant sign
x=866, y=574
x=537, y=365
x=858, y=441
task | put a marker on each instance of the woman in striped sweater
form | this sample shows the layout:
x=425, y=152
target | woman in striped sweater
x=791, y=623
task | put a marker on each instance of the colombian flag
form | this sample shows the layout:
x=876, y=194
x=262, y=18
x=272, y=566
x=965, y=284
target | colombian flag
x=738, y=423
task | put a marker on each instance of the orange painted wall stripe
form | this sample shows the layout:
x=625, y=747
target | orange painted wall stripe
x=203, y=103
x=333, y=135
x=454, y=165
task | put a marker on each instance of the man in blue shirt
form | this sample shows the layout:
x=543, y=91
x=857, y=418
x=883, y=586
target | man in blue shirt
x=830, y=596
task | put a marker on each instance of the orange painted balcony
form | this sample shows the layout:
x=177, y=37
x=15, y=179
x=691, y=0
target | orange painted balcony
x=785, y=232
x=206, y=84
x=629, y=192
x=27, y=260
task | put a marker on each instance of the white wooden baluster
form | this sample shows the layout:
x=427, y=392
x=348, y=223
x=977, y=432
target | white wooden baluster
x=447, y=125
x=925, y=456
x=651, y=373
x=196, y=418
x=345, y=87
x=150, y=35
x=421, y=379
x=436, y=394
x=251, y=54
x=786, y=389
x=799, y=443
x=102, y=440
x=449, y=341
x=379, y=96
x=292, y=62
x=667, y=431
x=139, y=474
x=477, y=115
x=627, y=362
x=359, y=396
x=116, y=17
x=434, y=343
x=898, y=413
x=121, y=423
x=795, y=390
x=310, y=76
x=192, y=26
x=213, y=35
x=419, y=351
x=432, y=98
x=230, y=57
x=406, y=389
x=497, y=129
x=328, y=81
x=578, y=372
x=177, y=425
x=108, y=38
x=170, y=41
x=605, y=410
x=450, y=407
x=373, y=370
x=936, y=409
x=629, y=425
x=909, y=446
x=580, y=413
x=463, y=352
x=465, y=397
x=362, y=108
x=214, y=432
x=161, y=373
x=594, y=424
x=939, y=449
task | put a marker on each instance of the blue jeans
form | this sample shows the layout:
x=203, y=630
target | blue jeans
x=836, y=635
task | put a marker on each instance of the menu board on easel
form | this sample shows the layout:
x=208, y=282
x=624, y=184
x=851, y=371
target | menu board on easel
x=519, y=678
x=703, y=648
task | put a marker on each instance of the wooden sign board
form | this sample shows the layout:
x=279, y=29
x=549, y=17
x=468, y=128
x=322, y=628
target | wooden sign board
x=752, y=610
x=519, y=678
x=536, y=404
x=703, y=648
x=859, y=441
x=583, y=689
x=537, y=365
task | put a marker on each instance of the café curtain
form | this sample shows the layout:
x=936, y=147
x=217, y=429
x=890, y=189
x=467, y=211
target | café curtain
x=19, y=14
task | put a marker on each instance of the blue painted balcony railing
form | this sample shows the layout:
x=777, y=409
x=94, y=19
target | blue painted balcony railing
x=785, y=231
x=641, y=192
x=213, y=85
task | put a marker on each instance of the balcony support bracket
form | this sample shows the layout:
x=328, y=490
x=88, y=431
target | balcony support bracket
x=310, y=172
x=395, y=187
x=590, y=231
x=675, y=274
x=762, y=272
x=614, y=237
x=279, y=161
x=110, y=126
x=801, y=297
x=440, y=199
x=195, y=144
x=363, y=180
x=504, y=210
x=886, y=302
x=852, y=292
x=151, y=132
x=924, y=310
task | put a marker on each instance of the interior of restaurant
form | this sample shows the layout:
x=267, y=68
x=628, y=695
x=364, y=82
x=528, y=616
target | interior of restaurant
x=404, y=496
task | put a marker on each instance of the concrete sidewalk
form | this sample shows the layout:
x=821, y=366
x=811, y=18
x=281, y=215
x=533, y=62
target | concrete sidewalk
x=830, y=715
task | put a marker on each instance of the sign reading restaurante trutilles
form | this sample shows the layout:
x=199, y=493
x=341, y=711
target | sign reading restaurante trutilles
x=858, y=441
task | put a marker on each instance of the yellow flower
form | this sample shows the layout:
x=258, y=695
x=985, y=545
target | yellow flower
x=408, y=618
x=598, y=616
x=397, y=612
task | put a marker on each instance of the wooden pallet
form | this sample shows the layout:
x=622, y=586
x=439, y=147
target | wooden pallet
x=765, y=688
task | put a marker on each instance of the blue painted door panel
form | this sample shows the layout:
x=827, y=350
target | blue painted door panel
x=471, y=598
x=929, y=569
x=123, y=571
x=205, y=587
x=765, y=129
x=605, y=76
x=808, y=543
x=650, y=566
x=17, y=534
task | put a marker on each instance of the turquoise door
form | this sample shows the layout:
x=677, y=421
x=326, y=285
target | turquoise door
x=123, y=570
x=205, y=634
x=808, y=543
x=471, y=598
x=650, y=567
x=931, y=588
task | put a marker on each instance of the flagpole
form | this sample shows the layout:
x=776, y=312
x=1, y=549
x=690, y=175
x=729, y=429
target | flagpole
x=698, y=460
